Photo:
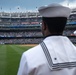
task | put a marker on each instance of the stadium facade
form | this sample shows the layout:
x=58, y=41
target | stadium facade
x=25, y=28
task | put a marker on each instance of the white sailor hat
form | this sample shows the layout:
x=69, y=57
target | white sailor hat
x=54, y=10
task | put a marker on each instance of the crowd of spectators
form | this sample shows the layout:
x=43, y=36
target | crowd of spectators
x=18, y=21
x=21, y=41
x=73, y=39
x=21, y=34
x=30, y=37
x=31, y=33
x=68, y=32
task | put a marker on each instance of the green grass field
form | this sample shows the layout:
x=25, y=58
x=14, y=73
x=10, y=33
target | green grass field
x=10, y=57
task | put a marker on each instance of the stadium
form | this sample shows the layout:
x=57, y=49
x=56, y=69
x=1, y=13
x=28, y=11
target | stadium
x=19, y=31
x=25, y=28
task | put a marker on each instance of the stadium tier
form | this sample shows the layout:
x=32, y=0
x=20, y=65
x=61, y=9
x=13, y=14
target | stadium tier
x=27, y=18
x=25, y=28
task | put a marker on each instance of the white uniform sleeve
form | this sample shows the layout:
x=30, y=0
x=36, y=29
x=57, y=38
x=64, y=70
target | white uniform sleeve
x=23, y=69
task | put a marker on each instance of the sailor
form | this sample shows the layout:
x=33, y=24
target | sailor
x=56, y=55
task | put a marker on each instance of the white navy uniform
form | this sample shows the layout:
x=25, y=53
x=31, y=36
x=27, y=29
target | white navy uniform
x=34, y=62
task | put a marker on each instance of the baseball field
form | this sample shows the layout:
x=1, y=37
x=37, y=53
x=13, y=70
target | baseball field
x=10, y=57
